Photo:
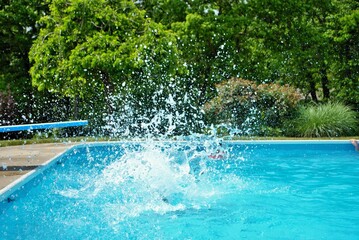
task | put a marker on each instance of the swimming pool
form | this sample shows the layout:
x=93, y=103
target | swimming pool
x=174, y=190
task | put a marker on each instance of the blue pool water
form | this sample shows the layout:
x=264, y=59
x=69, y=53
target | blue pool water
x=258, y=190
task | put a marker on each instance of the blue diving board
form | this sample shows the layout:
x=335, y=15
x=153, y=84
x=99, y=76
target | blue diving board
x=29, y=127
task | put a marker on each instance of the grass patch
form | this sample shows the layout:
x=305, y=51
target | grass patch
x=326, y=120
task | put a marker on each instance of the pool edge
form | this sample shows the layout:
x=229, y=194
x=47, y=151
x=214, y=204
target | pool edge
x=7, y=191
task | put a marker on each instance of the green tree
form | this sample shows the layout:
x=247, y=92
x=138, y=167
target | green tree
x=265, y=41
x=294, y=33
x=211, y=46
x=105, y=54
x=343, y=31
x=18, y=30
x=18, y=20
x=165, y=12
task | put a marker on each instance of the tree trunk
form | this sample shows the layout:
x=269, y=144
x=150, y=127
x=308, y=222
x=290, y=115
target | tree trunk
x=75, y=109
x=109, y=88
x=325, y=83
x=313, y=92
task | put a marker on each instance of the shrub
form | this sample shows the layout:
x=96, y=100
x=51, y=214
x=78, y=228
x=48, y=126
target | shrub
x=9, y=113
x=326, y=120
x=250, y=108
x=8, y=109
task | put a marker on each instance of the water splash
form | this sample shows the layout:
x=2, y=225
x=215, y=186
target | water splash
x=157, y=178
x=161, y=114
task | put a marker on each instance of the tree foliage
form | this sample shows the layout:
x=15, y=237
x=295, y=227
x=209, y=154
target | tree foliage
x=100, y=58
x=18, y=19
x=93, y=50
x=18, y=28
x=343, y=31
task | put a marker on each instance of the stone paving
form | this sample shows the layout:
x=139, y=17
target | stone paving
x=16, y=161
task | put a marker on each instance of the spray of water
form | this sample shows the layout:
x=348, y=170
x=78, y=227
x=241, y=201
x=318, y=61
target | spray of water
x=160, y=116
x=158, y=178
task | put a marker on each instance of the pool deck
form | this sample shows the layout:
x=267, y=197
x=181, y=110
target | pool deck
x=16, y=161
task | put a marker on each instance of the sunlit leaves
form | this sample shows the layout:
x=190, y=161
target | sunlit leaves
x=343, y=30
x=87, y=41
x=106, y=54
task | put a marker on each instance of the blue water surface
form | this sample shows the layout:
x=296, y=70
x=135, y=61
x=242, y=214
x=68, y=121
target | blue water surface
x=258, y=190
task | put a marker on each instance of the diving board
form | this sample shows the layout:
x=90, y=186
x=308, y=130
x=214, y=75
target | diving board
x=35, y=126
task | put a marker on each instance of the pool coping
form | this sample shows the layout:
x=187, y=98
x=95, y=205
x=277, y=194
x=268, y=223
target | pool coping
x=6, y=192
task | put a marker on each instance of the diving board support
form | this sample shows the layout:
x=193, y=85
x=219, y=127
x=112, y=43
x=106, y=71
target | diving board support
x=35, y=126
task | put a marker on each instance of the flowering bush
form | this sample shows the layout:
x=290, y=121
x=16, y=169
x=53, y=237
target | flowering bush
x=8, y=109
x=250, y=108
x=9, y=113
